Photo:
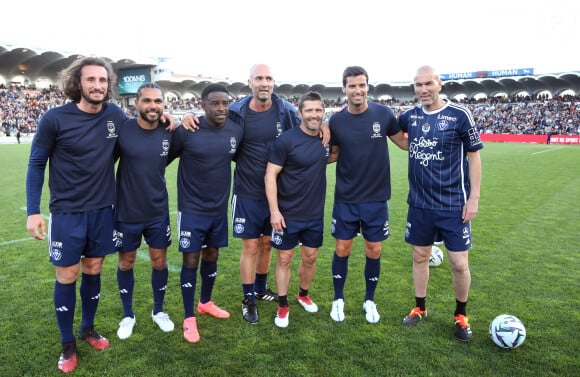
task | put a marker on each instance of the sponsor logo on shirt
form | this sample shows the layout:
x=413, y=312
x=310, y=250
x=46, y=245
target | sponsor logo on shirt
x=474, y=137
x=423, y=149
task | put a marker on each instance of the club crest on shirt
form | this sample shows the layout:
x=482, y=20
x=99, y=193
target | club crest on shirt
x=278, y=129
x=376, y=130
x=426, y=127
x=111, y=129
x=442, y=125
x=164, y=148
x=233, y=145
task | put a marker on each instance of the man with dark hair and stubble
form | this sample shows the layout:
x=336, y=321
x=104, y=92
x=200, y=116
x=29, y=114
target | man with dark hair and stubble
x=79, y=139
x=203, y=190
x=359, y=135
x=264, y=116
x=296, y=191
x=82, y=194
x=142, y=205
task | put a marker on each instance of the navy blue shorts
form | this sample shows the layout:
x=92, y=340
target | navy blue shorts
x=426, y=226
x=307, y=233
x=157, y=235
x=199, y=231
x=72, y=236
x=250, y=218
x=370, y=219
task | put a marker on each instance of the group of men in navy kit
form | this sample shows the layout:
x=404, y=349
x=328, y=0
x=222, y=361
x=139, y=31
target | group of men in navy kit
x=255, y=133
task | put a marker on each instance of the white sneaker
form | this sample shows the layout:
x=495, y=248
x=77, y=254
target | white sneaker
x=126, y=327
x=337, y=311
x=307, y=303
x=371, y=309
x=281, y=319
x=162, y=320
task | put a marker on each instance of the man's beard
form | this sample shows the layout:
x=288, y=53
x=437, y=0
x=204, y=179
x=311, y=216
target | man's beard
x=92, y=101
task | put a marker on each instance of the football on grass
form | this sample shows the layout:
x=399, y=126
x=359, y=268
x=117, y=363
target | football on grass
x=436, y=256
x=507, y=331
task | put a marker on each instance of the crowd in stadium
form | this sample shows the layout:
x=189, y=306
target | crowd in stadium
x=21, y=108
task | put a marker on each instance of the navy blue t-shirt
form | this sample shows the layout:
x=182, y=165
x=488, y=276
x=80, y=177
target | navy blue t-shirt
x=438, y=146
x=80, y=148
x=204, y=173
x=141, y=187
x=363, y=166
x=260, y=131
x=302, y=182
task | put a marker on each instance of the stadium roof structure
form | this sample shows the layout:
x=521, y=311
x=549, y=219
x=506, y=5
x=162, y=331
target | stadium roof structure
x=32, y=67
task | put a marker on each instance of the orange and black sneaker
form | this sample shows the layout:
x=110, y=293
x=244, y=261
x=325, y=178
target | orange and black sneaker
x=68, y=358
x=414, y=317
x=462, y=329
x=96, y=340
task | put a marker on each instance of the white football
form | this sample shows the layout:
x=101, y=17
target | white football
x=507, y=331
x=436, y=256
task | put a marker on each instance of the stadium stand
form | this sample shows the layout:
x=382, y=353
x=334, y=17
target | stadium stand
x=534, y=105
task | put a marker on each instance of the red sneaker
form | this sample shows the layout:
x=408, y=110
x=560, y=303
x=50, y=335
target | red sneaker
x=91, y=336
x=68, y=358
x=281, y=319
x=307, y=303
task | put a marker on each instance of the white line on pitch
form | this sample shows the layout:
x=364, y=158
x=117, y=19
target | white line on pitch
x=15, y=241
x=548, y=150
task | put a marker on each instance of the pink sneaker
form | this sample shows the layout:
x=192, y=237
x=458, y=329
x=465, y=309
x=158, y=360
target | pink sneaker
x=68, y=358
x=212, y=309
x=190, y=332
x=96, y=340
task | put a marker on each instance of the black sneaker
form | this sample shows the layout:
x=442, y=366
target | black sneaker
x=462, y=329
x=250, y=311
x=267, y=295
